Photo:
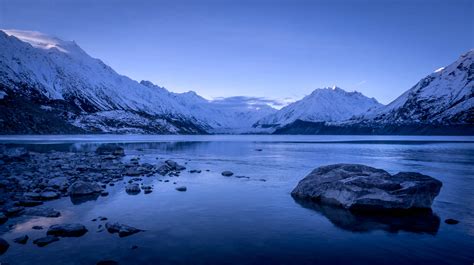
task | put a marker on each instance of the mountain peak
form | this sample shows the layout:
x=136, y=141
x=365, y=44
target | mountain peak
x=43, y=41
x=323, y=104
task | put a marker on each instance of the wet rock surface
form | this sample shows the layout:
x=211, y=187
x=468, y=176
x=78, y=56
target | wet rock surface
x=227, y=173
x=133, y=188
x=181, y=188
x=360, y=187
x=121, y=229
x=67, y=230
x=44, y=241
x=21, y=240
x=30, y=179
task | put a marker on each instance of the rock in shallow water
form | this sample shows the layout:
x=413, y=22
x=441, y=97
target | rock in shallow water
x=121, y=229
x=67, y=230
x=43, y=241
x=42, y=211
x=21, y=240
x=359, y=187
x=227, y=173
x=451, y=221
x=181, y=188
x=81, y=188
x=133, y=188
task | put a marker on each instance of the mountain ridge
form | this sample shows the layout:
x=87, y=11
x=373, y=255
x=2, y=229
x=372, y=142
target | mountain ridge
x=48, y=85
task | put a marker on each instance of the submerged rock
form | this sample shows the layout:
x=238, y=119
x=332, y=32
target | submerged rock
x=227, y=173
x=359, y=187
x=121, y=229
x=43, y=241
x=42, y=211
x=182, y=188
x=82, y=188
x=3, y=246
x=133, y=188
x=147, y=189
x=21, y=240
x=67, y=230
x=29, y=203
x=14, y=211
x=450, y=221
x=49, y=195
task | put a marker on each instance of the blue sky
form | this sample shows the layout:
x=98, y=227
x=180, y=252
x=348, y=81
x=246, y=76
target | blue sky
x=274, y=49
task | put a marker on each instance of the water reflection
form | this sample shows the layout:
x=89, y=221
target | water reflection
x=415, y=222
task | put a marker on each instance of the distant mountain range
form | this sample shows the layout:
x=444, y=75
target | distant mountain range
x=51, y=86
x=440, y=103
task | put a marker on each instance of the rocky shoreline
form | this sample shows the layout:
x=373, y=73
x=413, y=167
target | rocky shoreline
x=27, y=179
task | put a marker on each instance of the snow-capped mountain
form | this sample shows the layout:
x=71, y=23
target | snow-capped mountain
x=441, y=103
x=226, y=115
x=47, y=84
x=444, y=97
x=322, y=105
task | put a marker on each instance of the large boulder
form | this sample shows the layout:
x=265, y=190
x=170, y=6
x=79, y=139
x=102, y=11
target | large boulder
x=360, y=187
x=81, y=188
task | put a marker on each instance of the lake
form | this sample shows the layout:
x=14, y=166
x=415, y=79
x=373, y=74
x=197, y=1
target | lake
x=254, y=220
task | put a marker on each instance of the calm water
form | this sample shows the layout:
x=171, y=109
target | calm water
x=222, y=220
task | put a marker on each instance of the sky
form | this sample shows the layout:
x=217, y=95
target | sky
x=269, y=49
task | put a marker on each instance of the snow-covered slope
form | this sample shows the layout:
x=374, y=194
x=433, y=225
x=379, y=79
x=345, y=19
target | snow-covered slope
x=322, y=105
x=67, y=85
x=226, y=115
x=446, y=97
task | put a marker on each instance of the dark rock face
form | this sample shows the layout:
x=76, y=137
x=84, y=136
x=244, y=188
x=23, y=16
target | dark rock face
x=81, y=188
x=121, y=229
x=3, y=246
x=43, y=241
x=359, y=187
x=67, y=230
